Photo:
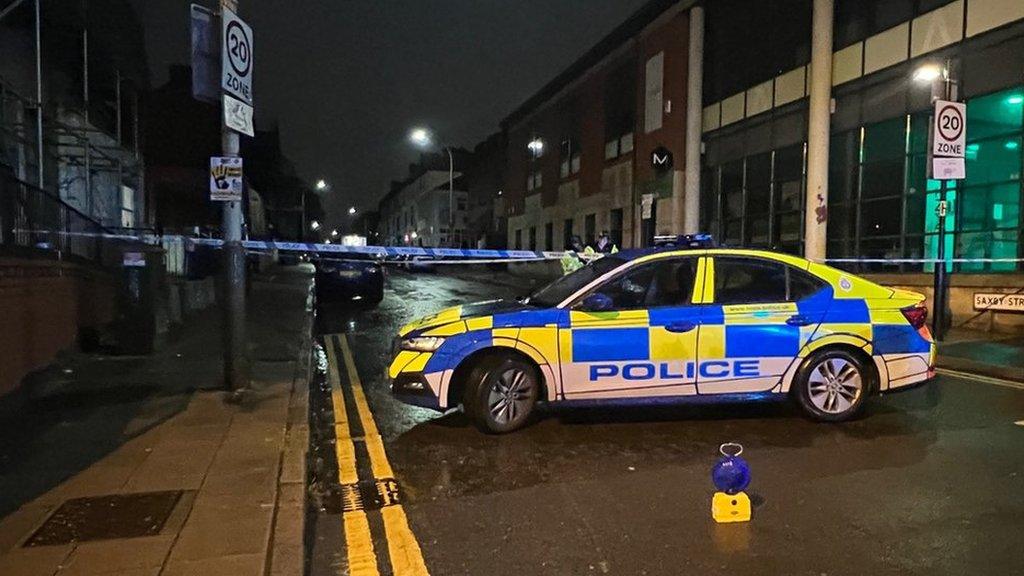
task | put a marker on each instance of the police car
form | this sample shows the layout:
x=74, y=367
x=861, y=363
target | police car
x=670, y=322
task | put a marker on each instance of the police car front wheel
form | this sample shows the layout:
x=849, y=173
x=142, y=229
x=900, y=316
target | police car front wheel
x=501, y=392
x=832, y=385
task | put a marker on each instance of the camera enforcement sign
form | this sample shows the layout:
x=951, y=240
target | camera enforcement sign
x=225, y=179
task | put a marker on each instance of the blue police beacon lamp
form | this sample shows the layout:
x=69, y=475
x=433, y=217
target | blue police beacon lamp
x=731, y=476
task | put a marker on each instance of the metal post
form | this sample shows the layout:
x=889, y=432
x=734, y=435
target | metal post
x=85, y=60
x=117, y=95
x=694, y=118
x=818, y=126
x=941, y=89
x=451, y=197
x=236, y=366
x=39, y=91
x=88, y=177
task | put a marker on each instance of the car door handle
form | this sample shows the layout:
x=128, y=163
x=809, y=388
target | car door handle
x=798, y=320
x=681, y=326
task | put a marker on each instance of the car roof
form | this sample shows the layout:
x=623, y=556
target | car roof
x=636, y=253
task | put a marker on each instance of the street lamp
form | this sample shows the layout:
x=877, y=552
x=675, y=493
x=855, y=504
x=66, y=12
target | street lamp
x=321, y=185
x=351, y=210
x=422, y=138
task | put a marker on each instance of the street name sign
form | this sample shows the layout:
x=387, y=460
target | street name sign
x=225, y=179
x=236, y=56
x=999, y=302
x=238, y=116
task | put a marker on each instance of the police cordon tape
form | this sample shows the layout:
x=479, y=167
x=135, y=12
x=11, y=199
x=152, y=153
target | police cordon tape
x=450, y=255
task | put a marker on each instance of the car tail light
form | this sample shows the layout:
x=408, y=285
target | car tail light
x=917, y=315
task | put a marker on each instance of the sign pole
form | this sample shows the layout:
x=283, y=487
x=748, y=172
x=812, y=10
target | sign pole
x=236, y=365
x=946, y=163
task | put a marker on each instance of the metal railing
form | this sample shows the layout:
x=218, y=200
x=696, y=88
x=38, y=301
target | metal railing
x=35, y=222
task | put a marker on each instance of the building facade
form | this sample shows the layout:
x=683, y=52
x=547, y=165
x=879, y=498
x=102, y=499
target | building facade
x=580, y=152
x=416, y=210
x=83, y=144
x=881, y=203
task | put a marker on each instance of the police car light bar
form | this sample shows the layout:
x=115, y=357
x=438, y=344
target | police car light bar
x=685, y=241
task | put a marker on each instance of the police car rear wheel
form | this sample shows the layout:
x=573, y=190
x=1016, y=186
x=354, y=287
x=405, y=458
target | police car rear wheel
x=832, y=385
x=501, y=393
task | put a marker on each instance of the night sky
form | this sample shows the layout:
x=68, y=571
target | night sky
x=347, y=79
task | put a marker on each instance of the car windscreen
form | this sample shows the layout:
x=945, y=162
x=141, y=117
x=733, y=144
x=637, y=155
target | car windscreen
x=557, y=291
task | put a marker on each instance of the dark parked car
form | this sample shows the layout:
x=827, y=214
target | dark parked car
x=349, y=277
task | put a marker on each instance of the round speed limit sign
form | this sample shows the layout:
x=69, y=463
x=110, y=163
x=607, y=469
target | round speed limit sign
x=237, y=57
x=950, y=129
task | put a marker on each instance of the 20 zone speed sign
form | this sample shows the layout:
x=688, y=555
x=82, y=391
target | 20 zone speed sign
x=236, y=57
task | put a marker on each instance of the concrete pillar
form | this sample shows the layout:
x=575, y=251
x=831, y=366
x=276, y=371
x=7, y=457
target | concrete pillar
x=818, y=123
x=694, y=120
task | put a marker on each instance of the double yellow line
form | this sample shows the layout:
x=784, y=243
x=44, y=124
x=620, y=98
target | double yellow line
x=403, y=550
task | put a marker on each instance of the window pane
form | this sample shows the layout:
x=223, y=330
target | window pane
x=757, y=232
x=789, y=163
x=993, y=160
x=748, y=281
x=881, y=217
x=673, y=283
x=841, y=221
x=880, y=248
x=885, y=140
x=990, y=207
x=758, y=183
x=787, y=228
x=995, y=114
x=842, y=167
x=919, y=126
x=788, y=195
x=884, y=178
x=732, y=232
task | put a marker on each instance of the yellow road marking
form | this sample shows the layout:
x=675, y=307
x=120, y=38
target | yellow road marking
x=362, y=561
x=403, y=549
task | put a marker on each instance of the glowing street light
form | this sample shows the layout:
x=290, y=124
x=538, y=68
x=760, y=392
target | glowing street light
x=334, y=233
x=420, y=137
x=928, y=73
x=314, y=225
x=351, y=210
x=321, y=185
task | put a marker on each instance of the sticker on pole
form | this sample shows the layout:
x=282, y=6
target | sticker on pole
x=950, y=129
x=238, y=116
x=236, y=56
x=225, y=179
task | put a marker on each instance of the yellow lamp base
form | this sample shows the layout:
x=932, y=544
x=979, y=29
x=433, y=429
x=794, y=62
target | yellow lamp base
x=730, y=508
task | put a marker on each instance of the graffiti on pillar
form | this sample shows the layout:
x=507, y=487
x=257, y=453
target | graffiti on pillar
x=822, y=210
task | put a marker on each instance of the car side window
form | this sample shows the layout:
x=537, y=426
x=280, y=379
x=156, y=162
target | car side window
x=629, y=291
x=803, y=285
x=749, y=281
x=673, y=283
x=755, y=281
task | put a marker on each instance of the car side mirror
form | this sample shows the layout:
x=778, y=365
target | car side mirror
x=596, y=302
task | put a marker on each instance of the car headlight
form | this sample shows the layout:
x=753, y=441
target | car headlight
x=422, y=343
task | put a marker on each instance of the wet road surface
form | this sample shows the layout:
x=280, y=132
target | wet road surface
x=929, y=481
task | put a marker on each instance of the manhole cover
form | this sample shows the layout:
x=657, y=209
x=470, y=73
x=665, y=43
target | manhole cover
x=106, y=517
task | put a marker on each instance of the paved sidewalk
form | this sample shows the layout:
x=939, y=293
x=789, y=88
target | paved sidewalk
x=222, y=484
x=987, y=354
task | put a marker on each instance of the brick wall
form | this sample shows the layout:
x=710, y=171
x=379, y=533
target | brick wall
x=43, y=305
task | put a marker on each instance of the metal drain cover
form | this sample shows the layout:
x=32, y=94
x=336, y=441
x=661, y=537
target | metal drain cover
x=106, y=518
